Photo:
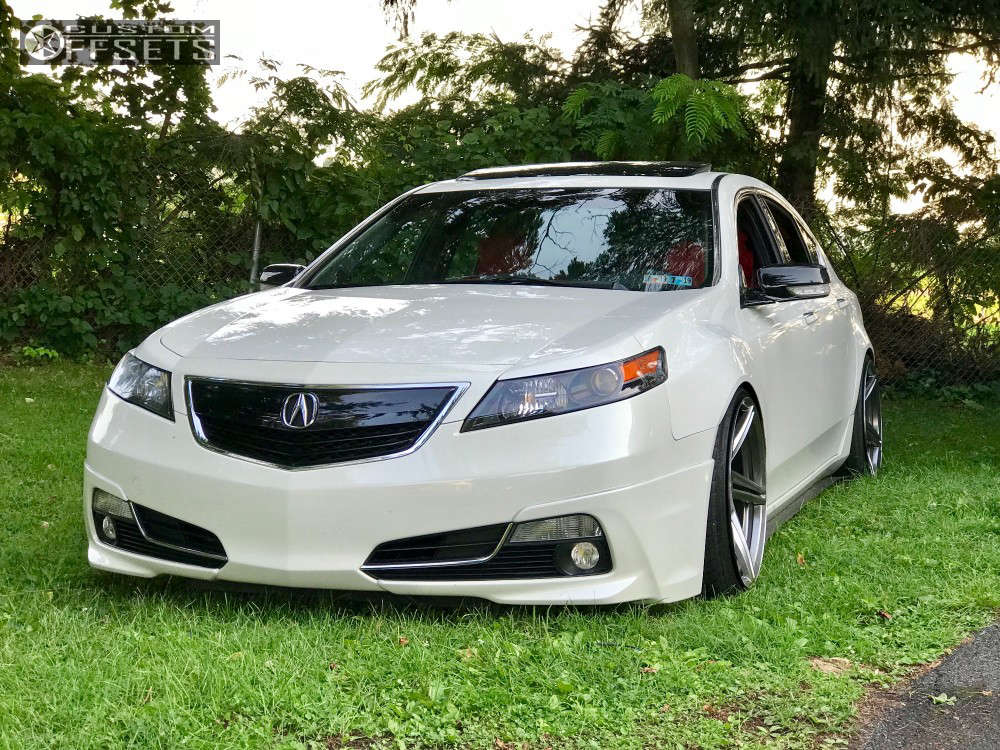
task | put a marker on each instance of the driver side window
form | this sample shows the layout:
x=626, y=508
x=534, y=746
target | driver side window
x=755, y=243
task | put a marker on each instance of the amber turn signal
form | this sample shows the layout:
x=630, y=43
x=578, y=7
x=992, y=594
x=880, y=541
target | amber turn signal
x=647, y=364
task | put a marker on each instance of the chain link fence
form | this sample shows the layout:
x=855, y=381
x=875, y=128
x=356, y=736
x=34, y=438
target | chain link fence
x=197, y=245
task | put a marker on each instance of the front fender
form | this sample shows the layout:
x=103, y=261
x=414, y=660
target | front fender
x=705, y=366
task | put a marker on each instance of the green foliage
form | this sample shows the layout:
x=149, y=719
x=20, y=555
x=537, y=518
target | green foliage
x=614, y=121
x=121, y=173
x=933, y=384
x=711, y=110
x=73, y=174
x=675, y=118
x=470, y=67
x=35, y=353
x=111, y=318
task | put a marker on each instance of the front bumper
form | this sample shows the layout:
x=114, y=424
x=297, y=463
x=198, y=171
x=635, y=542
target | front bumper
x=316, y=528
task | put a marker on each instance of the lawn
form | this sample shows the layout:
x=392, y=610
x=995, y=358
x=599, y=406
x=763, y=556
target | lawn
x=884, y=573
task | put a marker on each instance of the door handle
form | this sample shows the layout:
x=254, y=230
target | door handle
x=810, y=316
x=841, y=302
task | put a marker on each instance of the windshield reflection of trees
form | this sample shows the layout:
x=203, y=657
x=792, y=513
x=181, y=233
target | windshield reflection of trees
x=612, y=235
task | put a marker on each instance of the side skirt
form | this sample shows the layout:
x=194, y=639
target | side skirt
x=793, y=506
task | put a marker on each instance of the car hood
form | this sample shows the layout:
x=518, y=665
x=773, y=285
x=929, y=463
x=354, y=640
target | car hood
x=427, y=324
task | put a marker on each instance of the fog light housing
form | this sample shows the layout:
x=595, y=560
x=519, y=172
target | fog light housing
x=578, y=526
x=108, y=531
x=576, y=542
x=585, y=555
x=112, y=505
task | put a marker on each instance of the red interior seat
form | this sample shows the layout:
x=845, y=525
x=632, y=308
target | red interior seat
x=746, y=258
x=687, y=259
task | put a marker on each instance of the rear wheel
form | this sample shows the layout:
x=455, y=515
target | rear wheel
x=865, y=458
x=737, y=520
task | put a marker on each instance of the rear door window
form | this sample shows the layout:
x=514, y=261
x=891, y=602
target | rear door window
x=812, y=246
x=795, y=249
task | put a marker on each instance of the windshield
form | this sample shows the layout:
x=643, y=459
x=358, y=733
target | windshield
x=614, y=238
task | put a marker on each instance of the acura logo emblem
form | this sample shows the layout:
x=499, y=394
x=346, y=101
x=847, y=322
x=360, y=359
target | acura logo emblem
x=300, y=410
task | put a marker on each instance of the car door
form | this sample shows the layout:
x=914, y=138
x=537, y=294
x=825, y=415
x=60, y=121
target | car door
x=839, y=313
x=826, y=342
x=786, y=361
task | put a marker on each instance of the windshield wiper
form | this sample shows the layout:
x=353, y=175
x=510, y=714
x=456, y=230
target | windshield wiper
x=510, y=278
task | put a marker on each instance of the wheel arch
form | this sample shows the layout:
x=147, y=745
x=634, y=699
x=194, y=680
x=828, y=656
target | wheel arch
x=860, y=371
x=746, y=385
x=722, y=570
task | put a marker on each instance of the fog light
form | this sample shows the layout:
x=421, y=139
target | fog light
x=112, y=505
x=554, y=529
x=108, y=530
x=584, y=555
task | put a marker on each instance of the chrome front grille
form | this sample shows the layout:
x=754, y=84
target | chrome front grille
x=299, y=426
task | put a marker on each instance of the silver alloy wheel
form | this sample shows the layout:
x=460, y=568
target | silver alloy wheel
x=871, y=404
x=746, y=490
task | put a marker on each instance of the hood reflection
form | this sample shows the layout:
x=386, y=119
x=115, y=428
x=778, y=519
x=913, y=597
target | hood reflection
x=432, y=324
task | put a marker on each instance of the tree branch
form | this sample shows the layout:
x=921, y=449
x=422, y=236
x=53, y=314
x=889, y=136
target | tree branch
x=778, y=74
x=781, y=62
x=938, y=51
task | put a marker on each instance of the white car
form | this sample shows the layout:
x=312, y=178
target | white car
x=570, y=383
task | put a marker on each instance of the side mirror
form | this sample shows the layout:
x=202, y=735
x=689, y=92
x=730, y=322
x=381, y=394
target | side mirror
x=793, y=281
x=278, y=274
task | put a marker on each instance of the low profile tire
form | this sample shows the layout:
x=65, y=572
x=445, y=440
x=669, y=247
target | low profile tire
x=865, y=458
x=737, y=519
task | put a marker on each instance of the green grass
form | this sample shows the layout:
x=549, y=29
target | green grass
x=895, y=571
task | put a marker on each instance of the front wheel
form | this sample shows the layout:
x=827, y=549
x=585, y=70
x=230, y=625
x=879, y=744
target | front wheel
x=865, y=458
x=737, y=518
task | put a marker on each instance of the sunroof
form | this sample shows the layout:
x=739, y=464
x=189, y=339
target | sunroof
x=606, y=168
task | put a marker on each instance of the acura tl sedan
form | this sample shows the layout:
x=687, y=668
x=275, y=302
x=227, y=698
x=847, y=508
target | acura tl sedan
x=571, y=383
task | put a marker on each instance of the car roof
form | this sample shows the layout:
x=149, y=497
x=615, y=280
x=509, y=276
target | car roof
x=648, y=174
x=608, y=168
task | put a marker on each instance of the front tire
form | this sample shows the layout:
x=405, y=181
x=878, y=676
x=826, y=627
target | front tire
x=737, y=517
x=865, y=458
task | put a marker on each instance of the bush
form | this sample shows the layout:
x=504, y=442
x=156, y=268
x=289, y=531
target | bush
x=108, y=319
x=907, y=346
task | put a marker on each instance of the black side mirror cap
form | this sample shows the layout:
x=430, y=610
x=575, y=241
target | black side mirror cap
x=798, y=281
x=755, y=298
x=278, y=274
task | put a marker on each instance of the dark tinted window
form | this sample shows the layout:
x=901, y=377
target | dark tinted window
x=626, y=238
x=754, y=241
x=811, y=245
x=788, y=229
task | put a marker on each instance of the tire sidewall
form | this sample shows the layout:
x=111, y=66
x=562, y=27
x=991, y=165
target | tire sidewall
x=720, y=574
x=857, y=461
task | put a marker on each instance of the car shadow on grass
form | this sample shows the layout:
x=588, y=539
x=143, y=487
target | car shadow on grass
x=281, y=600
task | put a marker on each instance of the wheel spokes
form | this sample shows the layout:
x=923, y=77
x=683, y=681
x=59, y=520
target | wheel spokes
x=742, y=428
x=747, y=490
x=747, y=495
x=745, y=563
x=872, y=420
x=870, y=382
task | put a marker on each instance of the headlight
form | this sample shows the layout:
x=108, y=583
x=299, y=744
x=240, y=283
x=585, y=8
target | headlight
x=561, y=392
x=143, y=385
